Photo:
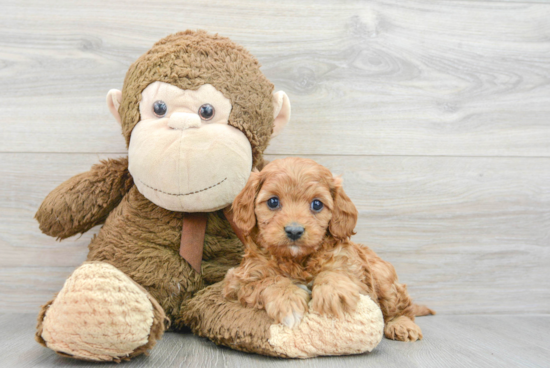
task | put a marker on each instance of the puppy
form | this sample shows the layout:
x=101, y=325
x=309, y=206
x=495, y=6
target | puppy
x=297, y=222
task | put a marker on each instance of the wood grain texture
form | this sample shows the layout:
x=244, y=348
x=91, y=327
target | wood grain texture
x=383, y=77
x=449, y=341
x=467, y=234
x=435, y=112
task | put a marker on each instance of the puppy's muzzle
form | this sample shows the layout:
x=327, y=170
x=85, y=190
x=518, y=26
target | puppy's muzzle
x=294, y=231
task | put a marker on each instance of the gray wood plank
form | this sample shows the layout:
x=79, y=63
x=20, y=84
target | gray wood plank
x=25, y=289
x=467, y=234
x=382, y=77
x=449, y=341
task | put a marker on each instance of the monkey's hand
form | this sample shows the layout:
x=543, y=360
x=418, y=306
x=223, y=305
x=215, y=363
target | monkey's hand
x=85, y=200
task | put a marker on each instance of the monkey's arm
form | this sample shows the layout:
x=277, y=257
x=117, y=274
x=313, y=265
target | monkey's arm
x=84, y=200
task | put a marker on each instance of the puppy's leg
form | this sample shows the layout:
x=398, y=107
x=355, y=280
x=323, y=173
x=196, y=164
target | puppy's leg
x=335, y=293
x=395, y=302
x=399, y=312
x=402, y=328
x=231, y=285
x=285, y=302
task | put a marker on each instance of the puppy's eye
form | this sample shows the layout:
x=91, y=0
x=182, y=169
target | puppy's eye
x=159, y=108
x=316, y=205
x=273, y=203
x=206, y=112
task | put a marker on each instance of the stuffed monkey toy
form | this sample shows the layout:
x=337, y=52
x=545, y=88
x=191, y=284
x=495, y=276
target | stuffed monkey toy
x=197, y=114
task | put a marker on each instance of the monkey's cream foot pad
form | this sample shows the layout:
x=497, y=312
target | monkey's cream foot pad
x=102, y=315
x=229, y=323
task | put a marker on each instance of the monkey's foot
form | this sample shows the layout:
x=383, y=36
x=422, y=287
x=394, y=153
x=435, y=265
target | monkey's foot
x=102, y=315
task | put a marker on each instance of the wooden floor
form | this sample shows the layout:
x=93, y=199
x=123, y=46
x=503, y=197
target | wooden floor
x=450, y=341
x=436, y=113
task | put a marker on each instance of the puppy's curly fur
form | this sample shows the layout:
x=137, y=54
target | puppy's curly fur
x=277, y=268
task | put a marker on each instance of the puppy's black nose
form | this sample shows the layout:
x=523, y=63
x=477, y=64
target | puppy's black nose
x=294, y=231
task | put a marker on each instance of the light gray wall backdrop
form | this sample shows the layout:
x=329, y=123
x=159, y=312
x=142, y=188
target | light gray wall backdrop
x=436, y=113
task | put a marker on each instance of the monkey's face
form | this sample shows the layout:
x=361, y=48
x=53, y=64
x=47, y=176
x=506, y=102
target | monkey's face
x=183, y=154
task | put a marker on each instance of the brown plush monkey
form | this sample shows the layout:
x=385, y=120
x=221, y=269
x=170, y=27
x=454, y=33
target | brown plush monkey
x=197, y=114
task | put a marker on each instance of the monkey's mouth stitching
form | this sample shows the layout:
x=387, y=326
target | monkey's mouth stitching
x=183, y=194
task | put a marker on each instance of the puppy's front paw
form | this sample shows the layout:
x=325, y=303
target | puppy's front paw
x=294, y=319
x=402, y=328
x=289, y=307
x=328, y=299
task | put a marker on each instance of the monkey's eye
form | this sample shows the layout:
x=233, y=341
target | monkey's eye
x=206, y=112
x=273, y=203
x=316, y=205
x=159, y=108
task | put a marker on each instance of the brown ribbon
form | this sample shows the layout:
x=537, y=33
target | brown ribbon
x=192, y=236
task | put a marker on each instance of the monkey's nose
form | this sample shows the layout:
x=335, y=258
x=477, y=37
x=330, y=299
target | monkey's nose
x=294, y=231
x=184, y=120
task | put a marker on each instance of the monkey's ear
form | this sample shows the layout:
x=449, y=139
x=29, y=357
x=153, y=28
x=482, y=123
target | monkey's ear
x=281, y=112
x=114, y=97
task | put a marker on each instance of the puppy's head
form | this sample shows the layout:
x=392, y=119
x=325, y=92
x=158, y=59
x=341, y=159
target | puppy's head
x=291, y=205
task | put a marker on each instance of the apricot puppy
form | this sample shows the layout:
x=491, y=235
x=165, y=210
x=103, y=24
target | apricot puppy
x=297, y=223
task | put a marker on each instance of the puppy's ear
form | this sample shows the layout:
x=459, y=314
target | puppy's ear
x=243, y=205
x=344, y=213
